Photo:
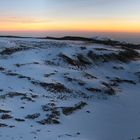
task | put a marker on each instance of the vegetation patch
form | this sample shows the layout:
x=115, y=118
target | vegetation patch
x=5, y=116
x=53, y=87
x=70, y=110
x=32, y=116
x=9, y=51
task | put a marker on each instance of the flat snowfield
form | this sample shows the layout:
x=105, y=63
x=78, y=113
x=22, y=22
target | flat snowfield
x=68, y=90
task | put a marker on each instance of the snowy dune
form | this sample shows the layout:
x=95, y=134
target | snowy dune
x=68, y=90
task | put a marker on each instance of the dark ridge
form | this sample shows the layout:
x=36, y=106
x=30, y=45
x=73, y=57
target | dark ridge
x=10, y=36
x=98, y=41
x=73, y=38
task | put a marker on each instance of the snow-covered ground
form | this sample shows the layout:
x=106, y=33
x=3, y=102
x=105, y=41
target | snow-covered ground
x=68, y=90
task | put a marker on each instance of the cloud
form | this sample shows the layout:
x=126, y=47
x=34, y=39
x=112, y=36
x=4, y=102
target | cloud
x=24, y=20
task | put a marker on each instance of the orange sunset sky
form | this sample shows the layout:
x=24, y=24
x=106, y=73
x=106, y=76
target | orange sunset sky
x=48, y=16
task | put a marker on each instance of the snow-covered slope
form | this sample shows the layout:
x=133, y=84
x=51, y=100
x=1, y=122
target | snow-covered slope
x=68, y=90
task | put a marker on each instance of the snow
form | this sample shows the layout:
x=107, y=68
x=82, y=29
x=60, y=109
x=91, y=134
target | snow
x=105, y=117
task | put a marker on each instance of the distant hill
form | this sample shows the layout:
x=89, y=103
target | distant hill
x=98, y=41
x=77, y=38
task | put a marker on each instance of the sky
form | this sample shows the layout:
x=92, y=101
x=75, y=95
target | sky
x=54, y=17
